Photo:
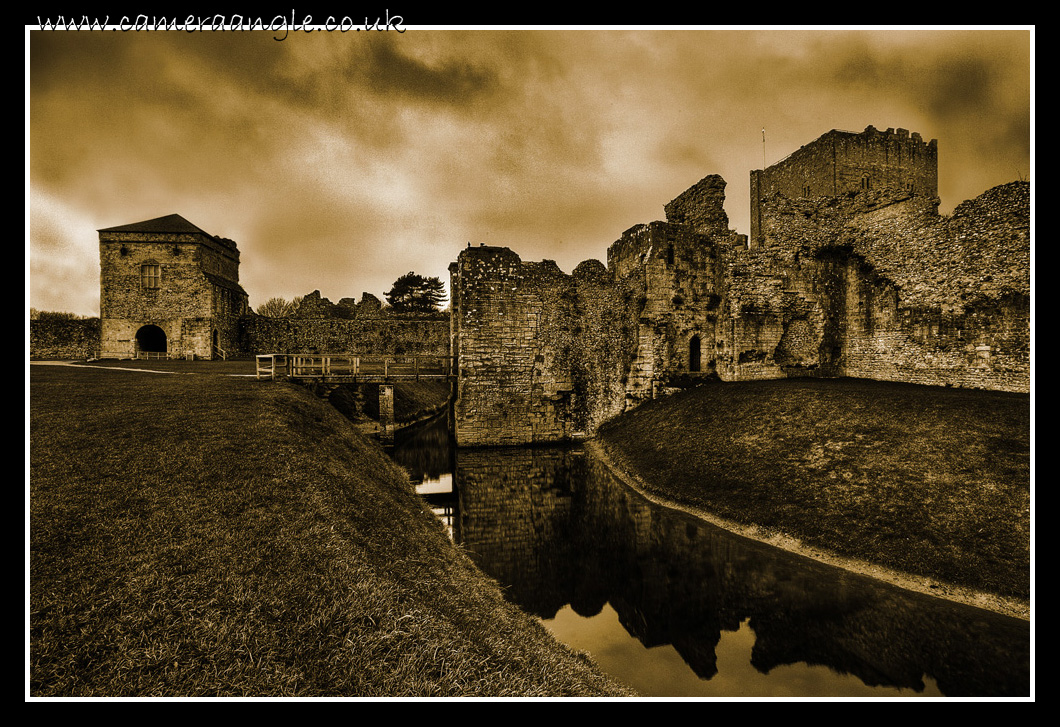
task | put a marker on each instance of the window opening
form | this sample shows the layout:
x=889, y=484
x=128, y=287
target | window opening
x=150, y=276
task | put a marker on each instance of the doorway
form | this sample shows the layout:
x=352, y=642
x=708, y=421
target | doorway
x=151, y=340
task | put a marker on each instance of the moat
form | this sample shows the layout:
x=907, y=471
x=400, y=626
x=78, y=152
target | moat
x=676, y=607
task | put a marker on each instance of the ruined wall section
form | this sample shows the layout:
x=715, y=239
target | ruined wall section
x=384, y=335
x=779, y=315
x=508, y=390
x=542, y=356
x=601, y=347
x=701, y=206
x=955, y=307
x=545, y=356
x=841, y=163
x=674, y=272
x=905, y=294
x=58, y=339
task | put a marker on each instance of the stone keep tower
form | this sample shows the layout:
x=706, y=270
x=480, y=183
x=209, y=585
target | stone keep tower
x=168, y=289
x=846, y=163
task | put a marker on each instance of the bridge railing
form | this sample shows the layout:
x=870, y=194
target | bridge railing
x=271, y=365
x=338, y=367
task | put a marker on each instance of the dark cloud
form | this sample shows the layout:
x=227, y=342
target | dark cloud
x=451, y=82
x=961, y=86
x=71, y=60
x=339, y=161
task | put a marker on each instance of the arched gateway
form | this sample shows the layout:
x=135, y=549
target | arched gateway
x=151, y=339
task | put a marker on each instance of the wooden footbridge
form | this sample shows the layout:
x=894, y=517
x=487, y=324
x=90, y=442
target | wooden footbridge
x=334, y=368
x=326, y=371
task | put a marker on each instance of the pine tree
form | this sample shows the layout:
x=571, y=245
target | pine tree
x=416, y=293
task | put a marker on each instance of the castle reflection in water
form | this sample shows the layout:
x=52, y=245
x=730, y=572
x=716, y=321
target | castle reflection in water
x=553, y=527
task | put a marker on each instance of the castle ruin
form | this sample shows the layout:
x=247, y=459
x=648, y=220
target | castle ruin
x=849, y=271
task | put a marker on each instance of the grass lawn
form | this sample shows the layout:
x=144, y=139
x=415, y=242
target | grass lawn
x=244, y=367
x=219, y=536
x=926, y=480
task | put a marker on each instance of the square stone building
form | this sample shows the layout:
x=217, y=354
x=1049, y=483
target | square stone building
x=168, y=290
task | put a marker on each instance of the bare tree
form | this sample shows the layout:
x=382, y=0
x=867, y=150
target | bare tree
x=278, y=307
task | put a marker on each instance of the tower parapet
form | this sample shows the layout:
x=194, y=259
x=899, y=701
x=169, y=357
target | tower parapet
x=842, y=163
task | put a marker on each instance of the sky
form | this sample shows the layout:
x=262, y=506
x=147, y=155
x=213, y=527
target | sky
x=338, y=161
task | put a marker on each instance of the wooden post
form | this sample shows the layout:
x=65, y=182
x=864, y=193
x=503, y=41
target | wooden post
x=386, y=413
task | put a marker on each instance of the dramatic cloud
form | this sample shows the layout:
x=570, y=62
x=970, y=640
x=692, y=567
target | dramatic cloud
x=339, y=162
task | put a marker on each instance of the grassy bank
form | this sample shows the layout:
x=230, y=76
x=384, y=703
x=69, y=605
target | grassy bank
x=413, y=400
x=929, y=481
x=208, y=535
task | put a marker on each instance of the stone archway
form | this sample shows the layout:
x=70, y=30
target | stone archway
x=695, y=361
x=151, y=339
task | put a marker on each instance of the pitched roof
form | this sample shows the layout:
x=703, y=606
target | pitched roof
x=169, y=223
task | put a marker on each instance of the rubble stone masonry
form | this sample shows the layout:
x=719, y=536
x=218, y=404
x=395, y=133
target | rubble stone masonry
x=851, y=272
x=168, y=287
x=379, y=335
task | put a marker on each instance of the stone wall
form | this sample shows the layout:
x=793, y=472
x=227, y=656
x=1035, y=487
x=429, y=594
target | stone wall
x=80, y=339
x=182, y=289
x=424, y=336
x=893, y=290
x=701, y=206
x=675, y=270
x=542, y=356
x=842, y=162
x=57, y=339
x=870, y=284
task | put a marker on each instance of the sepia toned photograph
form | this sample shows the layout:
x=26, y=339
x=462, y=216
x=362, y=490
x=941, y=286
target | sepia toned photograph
x=370, y=360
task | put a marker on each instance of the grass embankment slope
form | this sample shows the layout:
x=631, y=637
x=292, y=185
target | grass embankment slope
x=927, y=481
x=197, y=535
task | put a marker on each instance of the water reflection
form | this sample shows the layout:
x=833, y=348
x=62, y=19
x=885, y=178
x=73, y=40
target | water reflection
x=425, y=453
x=580, y=550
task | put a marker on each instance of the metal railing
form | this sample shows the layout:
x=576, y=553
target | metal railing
x=353, y=367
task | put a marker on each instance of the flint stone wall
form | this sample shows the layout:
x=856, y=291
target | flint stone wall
x=542, y=355
x=387, y=336
x=905, y=294
x=57, y=339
